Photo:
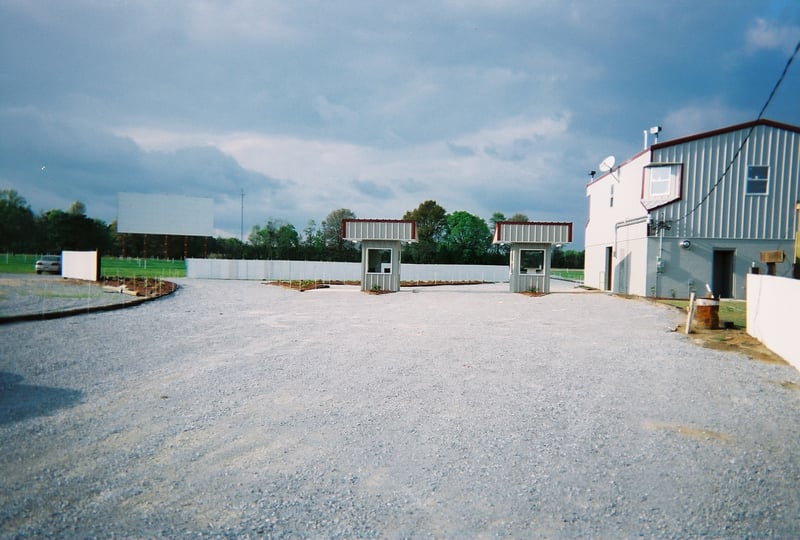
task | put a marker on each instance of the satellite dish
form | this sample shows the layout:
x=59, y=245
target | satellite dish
x=607, y=164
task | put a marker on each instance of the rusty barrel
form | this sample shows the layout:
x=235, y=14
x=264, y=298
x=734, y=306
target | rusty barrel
x=706, y=314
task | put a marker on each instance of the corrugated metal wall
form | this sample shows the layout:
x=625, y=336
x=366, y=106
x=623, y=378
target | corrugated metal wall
x=728, y=212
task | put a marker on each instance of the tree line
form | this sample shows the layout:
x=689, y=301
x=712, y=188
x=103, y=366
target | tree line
x=457, y=237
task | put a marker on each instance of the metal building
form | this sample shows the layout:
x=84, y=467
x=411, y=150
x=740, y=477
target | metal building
x=531, y=244
x=697, y=212
x=381, y=240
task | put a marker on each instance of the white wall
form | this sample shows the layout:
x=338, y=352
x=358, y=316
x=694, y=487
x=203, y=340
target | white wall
x=336, y=271
x=773, y=306
x=80, y=265
x=609, y=224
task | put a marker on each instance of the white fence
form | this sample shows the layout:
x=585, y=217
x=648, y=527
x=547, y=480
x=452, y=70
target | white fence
x=335, y=271
x=772, y=314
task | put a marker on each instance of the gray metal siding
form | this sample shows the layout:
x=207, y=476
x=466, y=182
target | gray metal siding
x=554, y=233
x=728, y=212
x=379, y=230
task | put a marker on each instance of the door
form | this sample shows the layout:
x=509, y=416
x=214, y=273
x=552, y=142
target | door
x=609, y=254
x=722, y=273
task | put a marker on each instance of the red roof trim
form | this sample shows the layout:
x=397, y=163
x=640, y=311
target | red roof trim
x=635, y=156
x=729, y=129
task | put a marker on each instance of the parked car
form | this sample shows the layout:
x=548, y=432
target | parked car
x=49, y=263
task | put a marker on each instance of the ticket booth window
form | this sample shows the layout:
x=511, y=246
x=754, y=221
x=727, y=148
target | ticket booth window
x=531, y=261
x=379, y=261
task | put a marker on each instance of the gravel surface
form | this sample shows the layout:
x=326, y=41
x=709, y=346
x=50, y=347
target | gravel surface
x=237, y=409
x=28, y=294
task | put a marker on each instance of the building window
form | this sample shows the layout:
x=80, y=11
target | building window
x=379, y=261
x=611, y=197
x=757, y=176
x=531, y=261
x=661, y=184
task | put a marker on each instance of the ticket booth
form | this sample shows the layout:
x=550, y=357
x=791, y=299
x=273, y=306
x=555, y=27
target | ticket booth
x=531, y=245
x=381, y=240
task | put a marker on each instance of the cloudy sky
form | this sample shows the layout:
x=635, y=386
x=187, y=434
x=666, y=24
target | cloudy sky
x=311, y=106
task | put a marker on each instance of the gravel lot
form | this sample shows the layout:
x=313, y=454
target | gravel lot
x=239, y=409
x=24, y=295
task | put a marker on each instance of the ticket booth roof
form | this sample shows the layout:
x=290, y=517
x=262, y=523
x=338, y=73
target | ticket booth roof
x=399, y=230
x=533, y=232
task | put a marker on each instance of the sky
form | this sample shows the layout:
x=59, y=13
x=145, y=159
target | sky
x=311, y=106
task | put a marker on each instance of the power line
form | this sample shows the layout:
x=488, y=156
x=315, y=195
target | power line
x=747, y=137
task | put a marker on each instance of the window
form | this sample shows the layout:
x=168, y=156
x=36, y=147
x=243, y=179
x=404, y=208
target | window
x=531, y=261
x=379, y=261
x=757, y=176
x=661, y=184
x=611, y=197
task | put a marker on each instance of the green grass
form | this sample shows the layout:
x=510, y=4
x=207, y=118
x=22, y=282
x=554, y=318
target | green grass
x=156, y=268
x=17, y=264
x=109, y=266
x=734, y=311
x=567, y=273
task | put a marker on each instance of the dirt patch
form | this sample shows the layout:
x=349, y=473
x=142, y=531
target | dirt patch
x=734, y=340
x=308, y=285
x=144, y=287
x=689, y=431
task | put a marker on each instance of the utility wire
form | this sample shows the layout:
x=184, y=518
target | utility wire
x=749, y=133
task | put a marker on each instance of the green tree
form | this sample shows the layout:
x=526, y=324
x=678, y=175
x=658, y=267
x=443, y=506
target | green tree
x=431, y=224
x=467, y=238
x=16, y=222
x=72, y=230
x=313, y=241
x=287, y=242
x=276, y=240
x=496, y=218
x=77, y=209
x=338, y=249
x=519, y=218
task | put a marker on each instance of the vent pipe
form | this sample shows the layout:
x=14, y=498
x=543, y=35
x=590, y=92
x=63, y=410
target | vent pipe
x=655, y=130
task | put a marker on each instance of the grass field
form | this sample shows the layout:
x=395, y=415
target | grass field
x=109, y=266
x=568, y=273
x=734, y=311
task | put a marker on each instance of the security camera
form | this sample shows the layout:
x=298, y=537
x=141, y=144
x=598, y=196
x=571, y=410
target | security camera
x=686, y=244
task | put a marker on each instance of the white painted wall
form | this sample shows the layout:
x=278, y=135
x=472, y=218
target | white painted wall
x=773, y=309
x=609, y=225
x=80, y=265
x=335, y=271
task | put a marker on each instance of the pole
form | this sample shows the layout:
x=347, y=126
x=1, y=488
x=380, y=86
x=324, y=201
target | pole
x=241, y=225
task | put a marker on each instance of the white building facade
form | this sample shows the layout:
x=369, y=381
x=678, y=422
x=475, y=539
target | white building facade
x=695, y=213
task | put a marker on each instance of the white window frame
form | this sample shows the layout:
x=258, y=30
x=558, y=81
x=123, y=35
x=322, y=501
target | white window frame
x=377, y=266
x=751, y=180
x=666, y=179
x=523, y=270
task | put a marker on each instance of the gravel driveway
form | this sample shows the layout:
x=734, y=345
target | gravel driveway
x=237, y=409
